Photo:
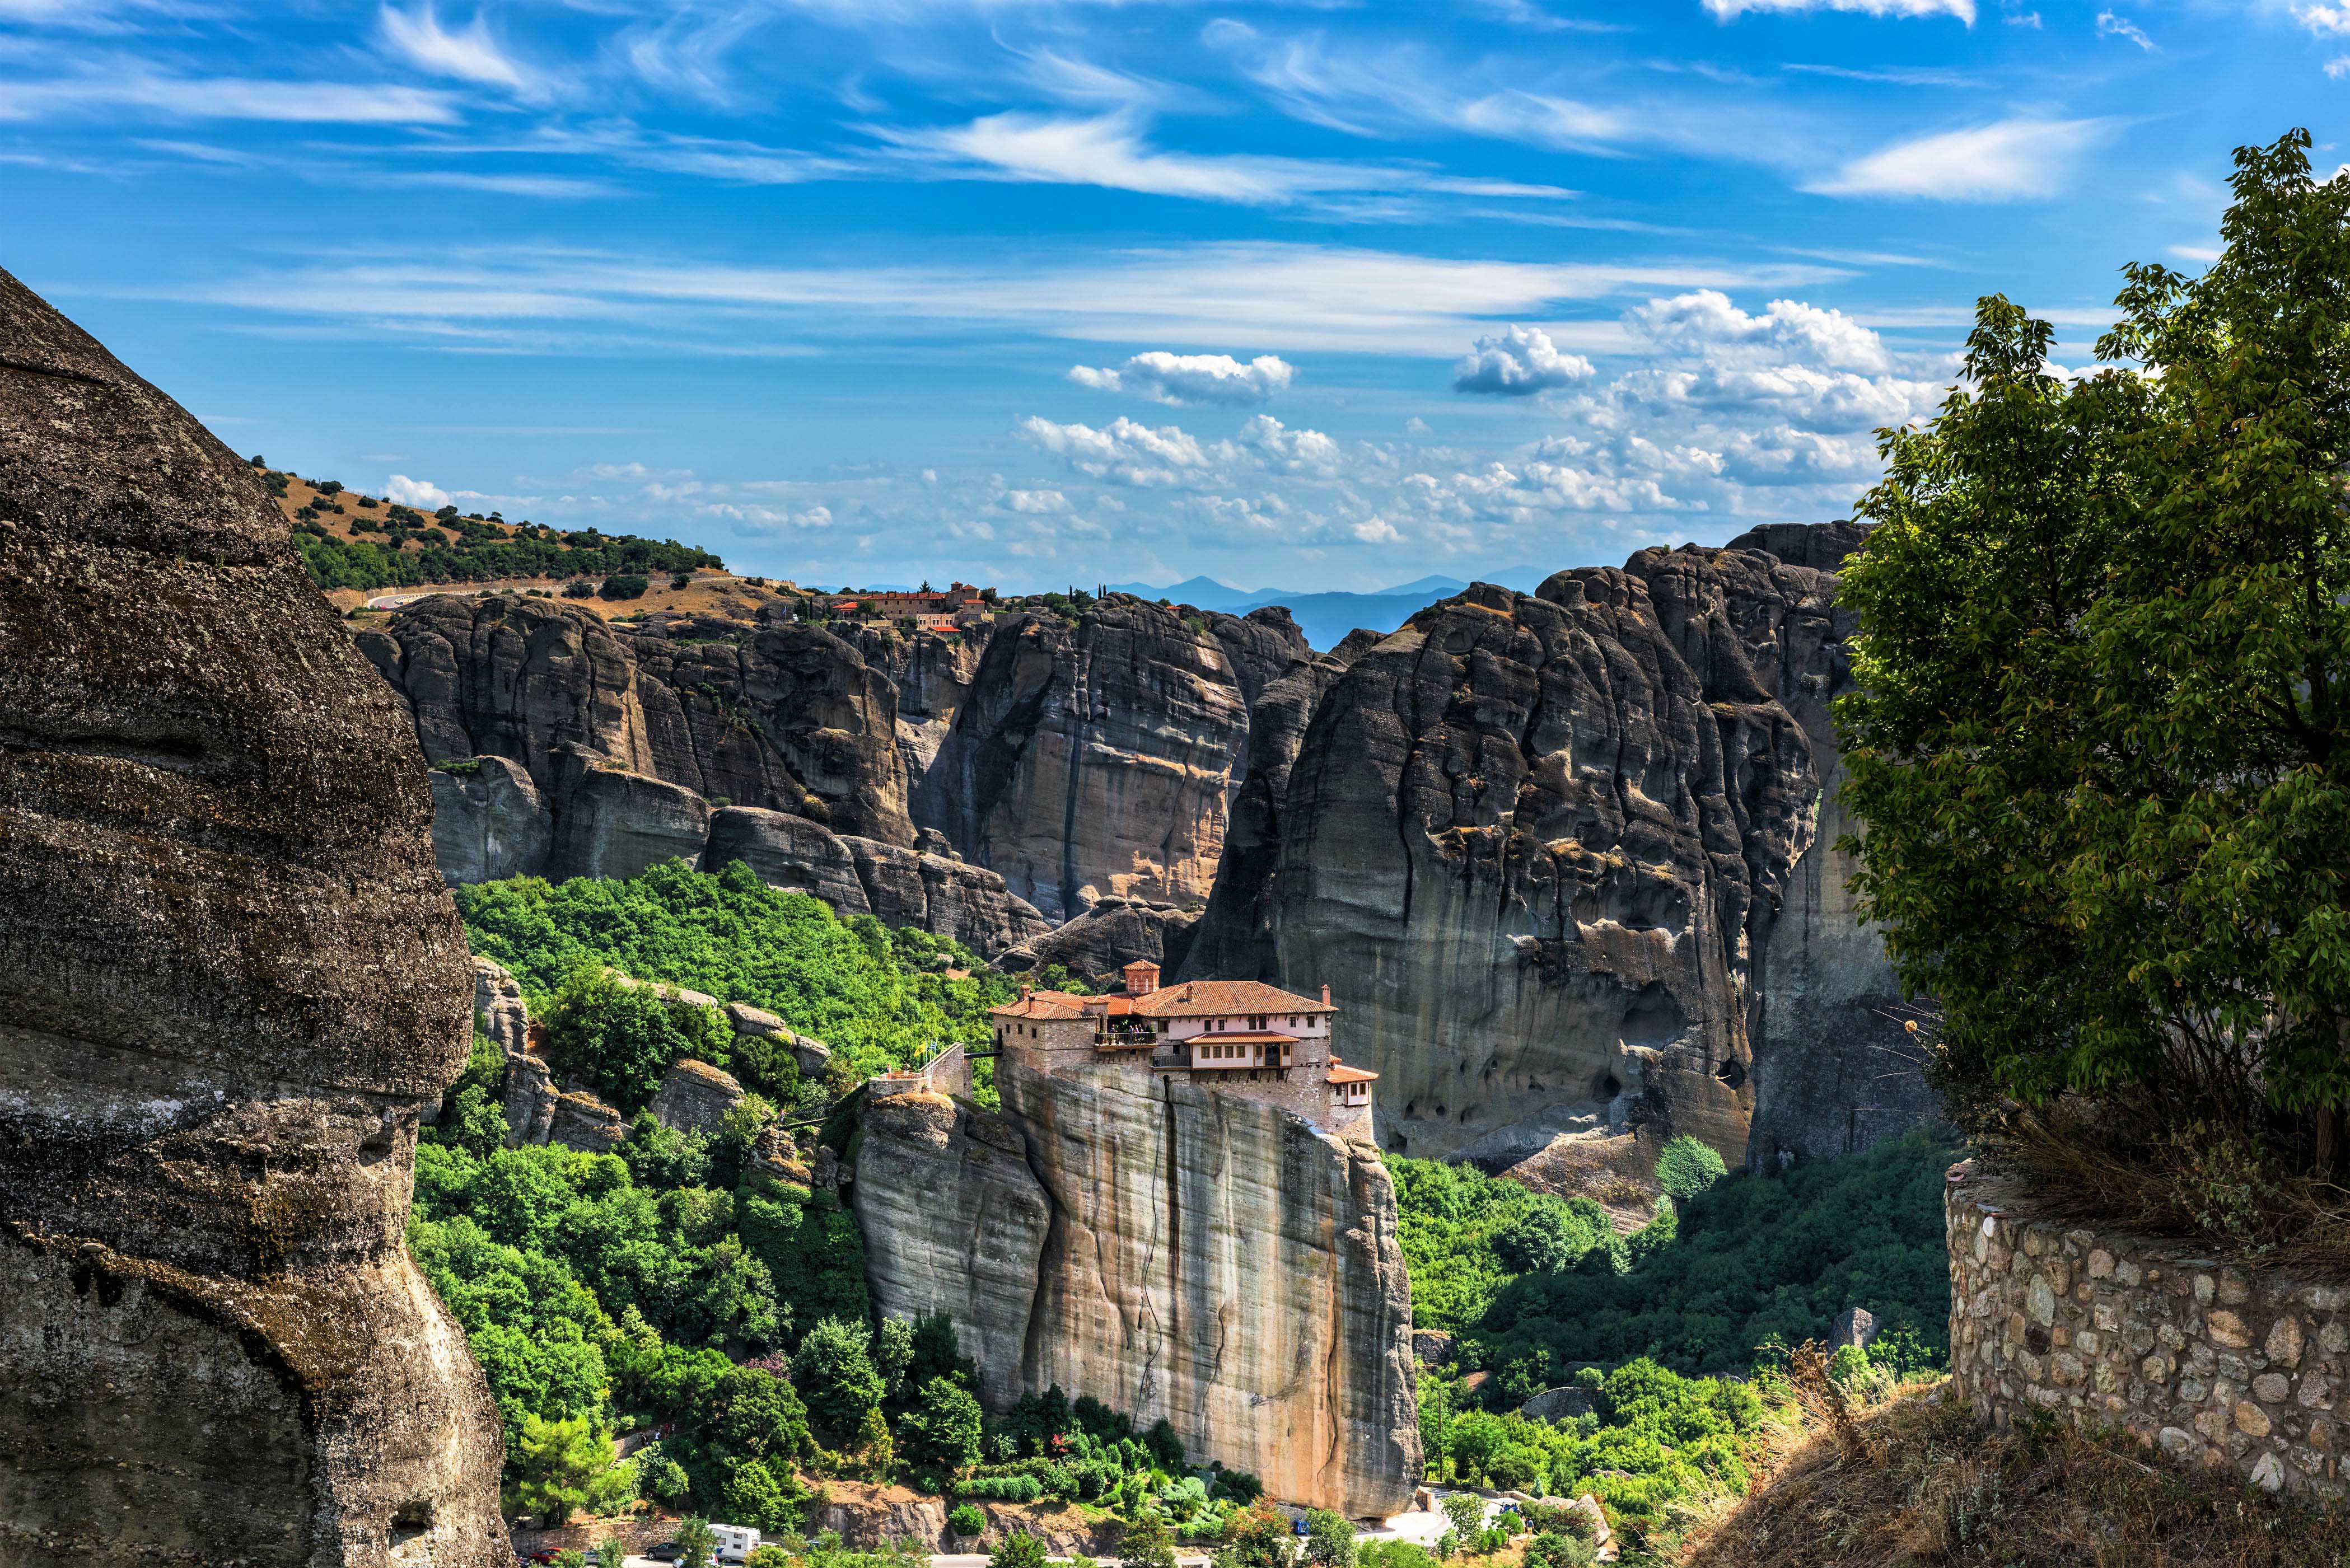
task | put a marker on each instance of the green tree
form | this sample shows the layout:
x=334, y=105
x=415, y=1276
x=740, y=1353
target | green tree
x=1256, y=1536
x=1465, y=1512
x=944, y=1427
x=696, y=1541
x=557, y=1466
x=2102, y=747
x=1329, y=1540
x=833, y=1370
x=1147, y=1543
x=764, y=1495
x=757, y=1414
x=1018, y=1549
x=1687, y=1166
x=610, y=1554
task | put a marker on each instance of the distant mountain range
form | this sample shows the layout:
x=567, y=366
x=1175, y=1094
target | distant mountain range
x=1328, y=617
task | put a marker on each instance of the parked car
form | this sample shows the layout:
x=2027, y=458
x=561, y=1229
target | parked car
x=665, y=1552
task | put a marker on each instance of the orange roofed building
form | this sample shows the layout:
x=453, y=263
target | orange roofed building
x=1236, y=1036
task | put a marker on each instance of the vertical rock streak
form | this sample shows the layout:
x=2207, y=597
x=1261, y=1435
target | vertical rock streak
x=1206, y=1259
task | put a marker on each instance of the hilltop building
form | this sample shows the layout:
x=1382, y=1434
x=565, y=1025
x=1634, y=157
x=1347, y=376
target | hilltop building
x=1236, y=1036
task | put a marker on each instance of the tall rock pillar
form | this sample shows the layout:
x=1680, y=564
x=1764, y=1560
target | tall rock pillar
x=230, y=981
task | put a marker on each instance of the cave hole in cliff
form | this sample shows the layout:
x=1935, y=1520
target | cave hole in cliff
x=411, y=1520
x=1731, y=1072
x=1653, y=1020
x=1607, y=1088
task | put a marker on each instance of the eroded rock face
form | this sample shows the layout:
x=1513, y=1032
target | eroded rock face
x=1170, y=1251
x=1540, y=844
x=779, y=714
x=231, y=982
x=1093, y=760
x=899, y=887
x=1107, y=937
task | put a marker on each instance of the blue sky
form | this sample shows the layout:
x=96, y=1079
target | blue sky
x=1320, y=296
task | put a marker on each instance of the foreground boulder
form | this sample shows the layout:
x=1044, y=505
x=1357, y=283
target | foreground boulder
x=231, y=982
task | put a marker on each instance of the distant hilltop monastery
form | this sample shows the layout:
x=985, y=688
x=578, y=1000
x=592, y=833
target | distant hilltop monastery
x=1236, y=1036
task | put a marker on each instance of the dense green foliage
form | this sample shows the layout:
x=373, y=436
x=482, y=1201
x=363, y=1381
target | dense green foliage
x=455, y=549
x=1535, y=1285
x=878, y=999
x=2101, y=744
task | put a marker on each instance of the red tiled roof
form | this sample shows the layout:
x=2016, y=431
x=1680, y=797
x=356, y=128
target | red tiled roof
x=1246, y=1037
x=1339, y=1075
x=1116, y=1006
x=1035, y=1006
x=1223, y=998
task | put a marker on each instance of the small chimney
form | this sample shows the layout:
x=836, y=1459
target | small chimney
x=1142, y=978
x=1325, y=994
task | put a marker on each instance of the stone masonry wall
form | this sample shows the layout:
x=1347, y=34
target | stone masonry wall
x=2239, y=1368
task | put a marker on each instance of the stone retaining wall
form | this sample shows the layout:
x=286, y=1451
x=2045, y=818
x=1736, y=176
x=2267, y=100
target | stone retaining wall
x=2237, y=1367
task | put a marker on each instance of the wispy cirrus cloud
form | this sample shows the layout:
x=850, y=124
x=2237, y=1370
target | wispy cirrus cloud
x=467, y=54
x=134, y=89
x=1731, y=10
x=2006, y=161
x=1286, y=296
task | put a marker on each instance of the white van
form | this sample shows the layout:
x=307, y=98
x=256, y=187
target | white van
x=735, y=1542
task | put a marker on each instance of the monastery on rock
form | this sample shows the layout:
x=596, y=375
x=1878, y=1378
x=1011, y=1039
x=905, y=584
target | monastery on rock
x=1236, y=1036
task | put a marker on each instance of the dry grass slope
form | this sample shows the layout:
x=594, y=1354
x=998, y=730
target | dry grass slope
x=1917, y=1484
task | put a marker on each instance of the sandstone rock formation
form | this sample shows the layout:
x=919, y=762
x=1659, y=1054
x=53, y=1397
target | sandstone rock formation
x=1095, y=760
x=695, y=1097
x=779, y=714
x=1540, y=844
x=231, y=982
x=1169, y=1250
x=1107, y=937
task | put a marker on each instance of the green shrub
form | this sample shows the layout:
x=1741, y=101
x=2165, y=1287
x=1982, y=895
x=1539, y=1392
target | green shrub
x=965, y=1518
x=624, y=587
x=1686, y=1167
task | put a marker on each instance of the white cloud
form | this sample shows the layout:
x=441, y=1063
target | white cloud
x=1705, y=319
x=1376, y=531
x=1111, y=151
x=1731, y=10
x=227, y=98
x=2006, y=161
x=2322, y=16
x=1035, y=502
x=1121, y=453
x=1187, y=379
x=1518, y=361
x=1286, y=296
x=2110, y=26
x=2338, y=67
x=1265, y=442
x=1417, y=426
x=471, y=55
x=416, y=493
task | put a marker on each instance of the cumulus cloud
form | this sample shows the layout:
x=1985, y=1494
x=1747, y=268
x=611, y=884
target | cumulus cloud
x=1518, y=362
x=1704, y=320
x=1188, y=378
x=1121, y=453
x=1036, y=502
x=1376, y=531
x=1265, y=442
x=2322, y=16
x=2009, y=160
x=416, y=493
x=1731, y=10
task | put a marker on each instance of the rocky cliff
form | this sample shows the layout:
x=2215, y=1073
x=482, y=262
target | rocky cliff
x=1171, y=1252
x=955, y=781
x=1096, y=759
x=1545, y=847
x=231, y=982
